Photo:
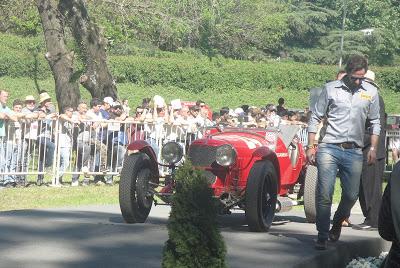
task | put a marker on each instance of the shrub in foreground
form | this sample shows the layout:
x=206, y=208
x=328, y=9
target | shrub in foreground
x=194, y=238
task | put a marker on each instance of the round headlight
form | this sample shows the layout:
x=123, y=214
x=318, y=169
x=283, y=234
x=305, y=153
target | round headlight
x=225, y=155
x=172, y=152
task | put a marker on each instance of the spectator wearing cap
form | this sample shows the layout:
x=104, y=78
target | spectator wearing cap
x=108, y=102
x=116, y=140
x=45, y=138
x=30, y=127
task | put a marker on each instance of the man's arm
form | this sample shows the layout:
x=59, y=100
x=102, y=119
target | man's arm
x=318, y=112
x=374, y=117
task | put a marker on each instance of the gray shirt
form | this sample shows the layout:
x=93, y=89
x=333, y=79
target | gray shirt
x=346, y=112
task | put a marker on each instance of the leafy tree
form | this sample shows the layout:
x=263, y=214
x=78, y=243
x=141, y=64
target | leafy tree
x=194, y=238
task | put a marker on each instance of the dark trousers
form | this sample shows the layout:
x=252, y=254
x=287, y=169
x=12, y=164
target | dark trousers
x=370, y=195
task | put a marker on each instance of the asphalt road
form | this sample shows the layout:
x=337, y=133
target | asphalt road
x=95, y=236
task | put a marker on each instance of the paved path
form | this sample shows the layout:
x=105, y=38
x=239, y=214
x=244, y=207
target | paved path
x=95, y=236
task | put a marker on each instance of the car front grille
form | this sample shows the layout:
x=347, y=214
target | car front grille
x=203, y=156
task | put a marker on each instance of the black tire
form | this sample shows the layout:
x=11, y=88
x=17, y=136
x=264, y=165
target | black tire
x=135, y=200
x=261, y=196
x=310, y=187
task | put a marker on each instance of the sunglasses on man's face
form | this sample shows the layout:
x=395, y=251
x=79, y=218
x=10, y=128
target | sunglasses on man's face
x=354, y=78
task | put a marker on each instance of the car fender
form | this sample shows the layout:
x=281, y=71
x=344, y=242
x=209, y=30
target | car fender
x=266, y=153
x=144, y=147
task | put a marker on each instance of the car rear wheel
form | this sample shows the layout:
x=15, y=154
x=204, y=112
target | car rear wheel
x=135, y=197
x=261, y=196
x=310, y=186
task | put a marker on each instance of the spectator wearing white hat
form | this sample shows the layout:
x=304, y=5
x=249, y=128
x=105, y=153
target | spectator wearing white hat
x=30, y=127
x=45, y=142
x=108, y=102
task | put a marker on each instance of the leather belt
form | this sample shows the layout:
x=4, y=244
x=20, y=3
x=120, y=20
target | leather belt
x=347, y=145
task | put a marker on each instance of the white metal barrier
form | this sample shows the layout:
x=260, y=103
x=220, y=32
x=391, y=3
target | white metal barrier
x=55, y=148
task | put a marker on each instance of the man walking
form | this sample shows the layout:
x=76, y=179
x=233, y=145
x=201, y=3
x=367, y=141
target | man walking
x=346, y=104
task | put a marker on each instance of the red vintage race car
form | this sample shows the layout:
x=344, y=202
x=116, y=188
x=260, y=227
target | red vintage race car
x=261, y=171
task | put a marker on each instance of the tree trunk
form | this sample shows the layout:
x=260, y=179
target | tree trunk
x=60, y=59
x=97, y=77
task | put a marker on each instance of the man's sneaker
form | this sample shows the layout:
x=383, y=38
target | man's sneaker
x=334, y=232
x=9, y=184
x=321, y=244
x=85, y=182
x=346, y=223
x=100, y=183
x=75, y=183
x=364, y=227
x=109, y=180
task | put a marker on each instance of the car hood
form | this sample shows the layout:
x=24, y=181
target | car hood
x=242, y=140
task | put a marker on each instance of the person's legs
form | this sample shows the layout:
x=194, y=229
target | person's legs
x=64, y=161
x=350, y=167
x=11, y=151
x=82, y=162
x=327, y=163
x=2, y=159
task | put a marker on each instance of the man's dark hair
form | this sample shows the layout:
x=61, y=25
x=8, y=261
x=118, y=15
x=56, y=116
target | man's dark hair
x=194, y=108
x=281, y=101
x=18, y=102
x=67, y=108
x=356, y=63
x=215, y=116
x=94, y=102
x=245, y=108
x=199, y=102
x=223, y=111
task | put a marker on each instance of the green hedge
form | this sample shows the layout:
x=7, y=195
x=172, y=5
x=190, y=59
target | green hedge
x=187, y=72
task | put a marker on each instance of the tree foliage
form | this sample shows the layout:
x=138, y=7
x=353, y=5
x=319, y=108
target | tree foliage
x=194, y=238
x=240, y=29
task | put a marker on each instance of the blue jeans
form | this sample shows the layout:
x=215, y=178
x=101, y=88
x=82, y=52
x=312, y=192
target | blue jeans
x=65, y=153
x=333, y=160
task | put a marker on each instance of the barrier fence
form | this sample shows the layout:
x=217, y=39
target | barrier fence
x=56, y=148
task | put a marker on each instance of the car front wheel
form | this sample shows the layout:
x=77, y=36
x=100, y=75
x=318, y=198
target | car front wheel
x=261, y=196
x=135, y=197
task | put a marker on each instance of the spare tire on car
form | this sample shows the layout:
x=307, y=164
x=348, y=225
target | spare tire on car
x=310, y=187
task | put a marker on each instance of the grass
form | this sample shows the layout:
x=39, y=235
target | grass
x=48, y=197
x=51, y=197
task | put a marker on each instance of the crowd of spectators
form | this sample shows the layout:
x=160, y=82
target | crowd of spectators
x=93, y=129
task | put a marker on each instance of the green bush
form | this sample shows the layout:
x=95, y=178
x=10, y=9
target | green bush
x=194, y=238
x=187, y=70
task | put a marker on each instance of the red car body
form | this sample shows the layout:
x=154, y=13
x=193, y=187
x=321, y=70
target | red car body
x=252, y=145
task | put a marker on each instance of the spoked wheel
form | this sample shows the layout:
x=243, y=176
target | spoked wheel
x=135, y=195
x=261, y=196
x=310, y=187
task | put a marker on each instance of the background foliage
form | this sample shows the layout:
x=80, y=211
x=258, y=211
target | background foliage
x=247, y=51
x=245, y=29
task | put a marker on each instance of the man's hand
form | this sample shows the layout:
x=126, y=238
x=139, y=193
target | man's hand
x=310, y=153
x=371, y=157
